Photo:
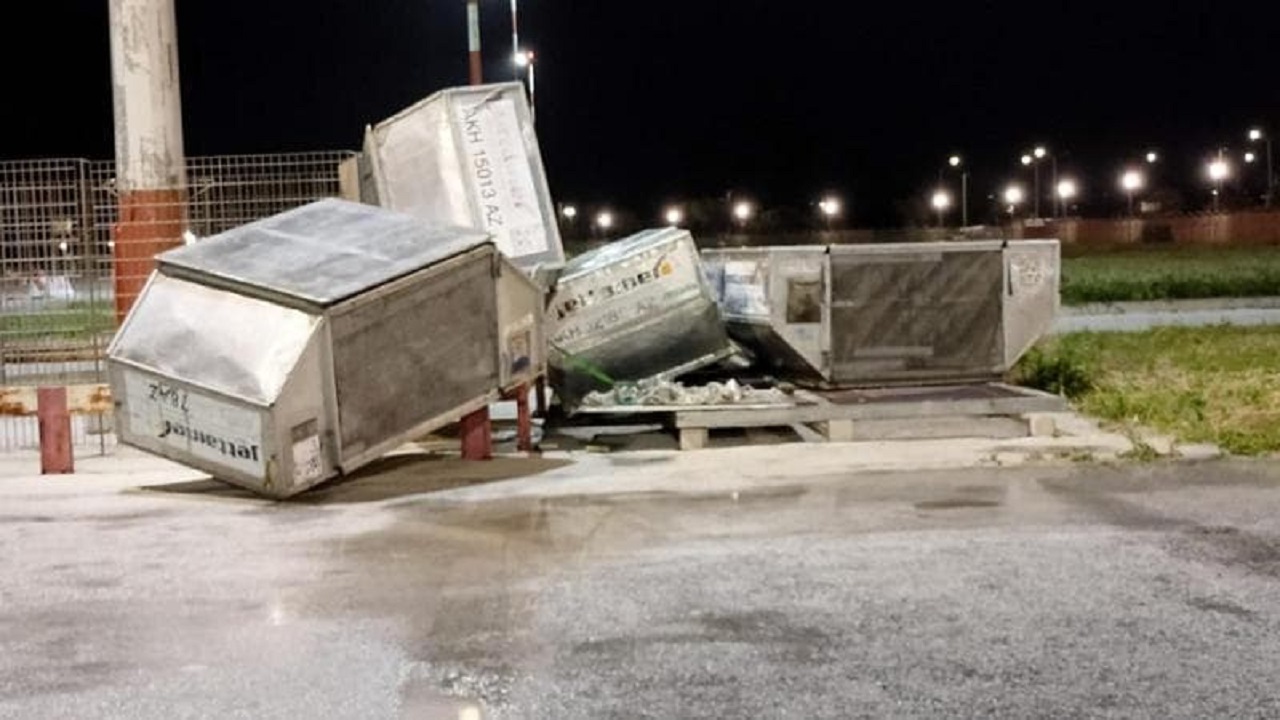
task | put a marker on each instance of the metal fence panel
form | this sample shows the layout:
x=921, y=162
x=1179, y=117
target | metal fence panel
x=59, y=224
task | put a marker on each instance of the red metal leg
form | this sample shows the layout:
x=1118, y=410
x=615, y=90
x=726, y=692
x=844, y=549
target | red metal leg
x=524, y=420
x=477, y=439
x=55, y=431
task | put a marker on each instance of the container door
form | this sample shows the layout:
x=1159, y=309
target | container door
x=928, y=314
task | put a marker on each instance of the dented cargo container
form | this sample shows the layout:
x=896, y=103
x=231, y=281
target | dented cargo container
x=893, y=313
x=292, y=350
x=468, y=156
x=634, y=309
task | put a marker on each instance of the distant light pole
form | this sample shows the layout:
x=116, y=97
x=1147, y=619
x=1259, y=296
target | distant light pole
x=1033, y=159
x=525, y=60
x=940, y=201
x=1131, y=181
x=476, y=66
x=1028, y=161
x=1256, y=135
x=1152, y=157
x=1067, y=191
x=674, y=215
x=743, y=211
x=830, y=207
x=1219, y=170
x=515, y=35
x=569, y=212
x=1013, y=197
x=604, y=220
x=955, y=161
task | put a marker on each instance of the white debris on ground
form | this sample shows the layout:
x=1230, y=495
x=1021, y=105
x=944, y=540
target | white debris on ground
x=670, y=392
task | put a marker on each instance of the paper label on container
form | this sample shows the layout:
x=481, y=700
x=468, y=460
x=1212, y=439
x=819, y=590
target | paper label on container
x=632, y=291
x=307, y=463
x=501, y=179
x=744, y=289
x=195, y=424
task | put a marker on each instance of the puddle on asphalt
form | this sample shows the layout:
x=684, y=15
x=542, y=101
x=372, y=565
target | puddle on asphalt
x=956, y=504
x=391, y=477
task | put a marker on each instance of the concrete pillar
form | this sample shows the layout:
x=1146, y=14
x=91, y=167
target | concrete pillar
x=151, y=174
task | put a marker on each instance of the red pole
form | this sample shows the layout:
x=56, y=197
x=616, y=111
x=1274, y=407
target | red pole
x=473, y=41
x=524, y=420
x=477, y=440
x=56, y=457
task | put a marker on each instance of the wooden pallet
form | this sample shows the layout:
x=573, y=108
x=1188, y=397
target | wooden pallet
x=943, y=411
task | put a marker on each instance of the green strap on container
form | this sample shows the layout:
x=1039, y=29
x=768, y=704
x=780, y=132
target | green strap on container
x=585, y=366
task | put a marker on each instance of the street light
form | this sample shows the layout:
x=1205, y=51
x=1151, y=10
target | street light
x=1250, y=157
x=830, y=207
x=525, y=59
x=569, y=212
x=940, y=201
x=1256, y=135
x=604, y=220
x=743, y=211
x=956, y=161
x=1131, y=181
x=674, y=215
x=1013, y=197
x=1152, y=157
x=1037, y=154
x=1219, y=170
x=1067, y=191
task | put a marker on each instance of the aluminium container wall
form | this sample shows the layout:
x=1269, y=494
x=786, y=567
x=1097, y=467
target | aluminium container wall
x=469, y=157
x=873, y=314
x=295, y=349
x=634, y=309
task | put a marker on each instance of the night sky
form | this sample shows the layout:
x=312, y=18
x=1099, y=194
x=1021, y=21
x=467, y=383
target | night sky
x=642, y=102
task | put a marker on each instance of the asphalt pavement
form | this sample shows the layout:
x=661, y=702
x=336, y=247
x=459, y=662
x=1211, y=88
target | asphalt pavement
x=770, y=582
x=1139, y=316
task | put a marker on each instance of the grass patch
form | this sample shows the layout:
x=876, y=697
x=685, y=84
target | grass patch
x=73, y=320
x=1171, y=274
x=1219, y=384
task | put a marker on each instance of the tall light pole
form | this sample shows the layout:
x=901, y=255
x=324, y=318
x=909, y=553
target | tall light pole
x=473, y=42
x=830, y=207
x=1219, y=170
x=1039, y=154
x=743, y=211
x=604, y=221
x=940, y=201
x=1067, y=191
x=515, y=35
x=1013, y=197
x=1255, y=135
x=1029, y=161
x=525, y=59
x=956, y=161
x=1131, y=181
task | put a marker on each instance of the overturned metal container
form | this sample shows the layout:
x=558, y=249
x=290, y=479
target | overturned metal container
x=289, y=351
x=886, y=314
x=469, y=157
x=635, y=309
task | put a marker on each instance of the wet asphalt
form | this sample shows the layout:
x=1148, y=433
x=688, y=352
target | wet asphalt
x=1072, y=591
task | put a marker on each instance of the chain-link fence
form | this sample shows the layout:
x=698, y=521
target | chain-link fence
x=61, y=270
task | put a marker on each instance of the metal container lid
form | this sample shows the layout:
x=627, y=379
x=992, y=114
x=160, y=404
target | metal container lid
x=620, y=250
x=321, y=253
